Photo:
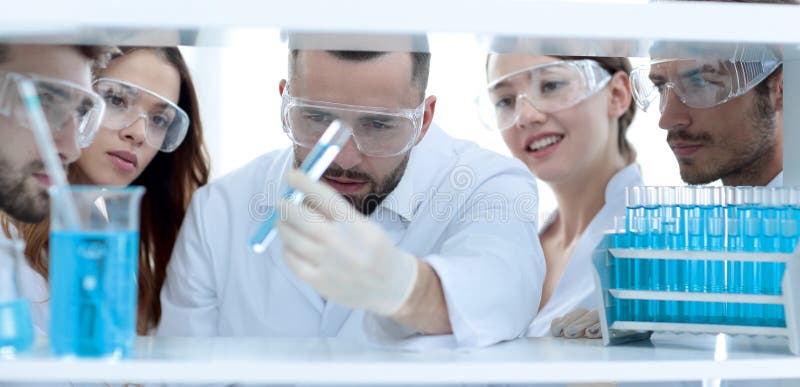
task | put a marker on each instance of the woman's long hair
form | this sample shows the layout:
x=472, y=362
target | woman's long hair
x=170, y=180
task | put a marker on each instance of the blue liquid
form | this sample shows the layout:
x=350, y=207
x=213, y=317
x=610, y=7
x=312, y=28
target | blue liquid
x=734, y=275
x=93, y=289
x=674, y=240
x=315, y=164
x=637, y=227
x=655, y=241
x=751, y=271
x=16, y=327
x=622, y=274
x=715, y=235
x=695, y=229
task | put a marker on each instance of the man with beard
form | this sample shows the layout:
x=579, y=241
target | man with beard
x=723, y=112
x=409, y=232
x=62, y=77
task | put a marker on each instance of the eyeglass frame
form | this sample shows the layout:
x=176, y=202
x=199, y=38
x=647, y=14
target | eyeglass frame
x=596, y=86
x=415, y=115
x=83, y=140
x=160, y=97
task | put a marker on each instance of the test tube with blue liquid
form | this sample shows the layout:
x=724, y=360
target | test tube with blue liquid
x=695, y=229
x=774, y=212
x=712, y=211
x=673, y=233
x=621, y=267
x=637, y=228
x=321, y=156
x=685, y=196
x=750, y=216
x=734, y=205
x=655, y=240
x=16, y=324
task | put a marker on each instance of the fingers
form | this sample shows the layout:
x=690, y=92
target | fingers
x=319, y=196
x=594, y=332
x=302, y=219
x=558, y=325
x=577, y=328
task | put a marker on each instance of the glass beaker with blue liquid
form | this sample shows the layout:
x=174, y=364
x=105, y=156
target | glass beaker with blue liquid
x=94, y=271
x=16, y=325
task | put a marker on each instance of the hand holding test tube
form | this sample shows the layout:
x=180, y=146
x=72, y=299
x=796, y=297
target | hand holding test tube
x=315, y=164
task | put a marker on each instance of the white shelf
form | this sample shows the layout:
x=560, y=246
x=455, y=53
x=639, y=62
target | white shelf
x=535, y=360
x=616, y=26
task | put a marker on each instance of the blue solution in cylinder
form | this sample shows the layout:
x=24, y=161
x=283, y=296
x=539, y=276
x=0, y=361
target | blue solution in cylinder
x=93, y=294
x=674, y=240
x=697, y=267
x=641, y=268
x=16, y=326
x=734, y=268
x=750, y=217
x=715, y=233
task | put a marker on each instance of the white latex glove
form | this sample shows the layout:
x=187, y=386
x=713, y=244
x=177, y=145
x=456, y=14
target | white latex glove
x=578, y=323
x=343, y=255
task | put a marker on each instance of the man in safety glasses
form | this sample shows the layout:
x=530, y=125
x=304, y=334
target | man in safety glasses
x=61, y=77
x=722, y=108
x=409, y=232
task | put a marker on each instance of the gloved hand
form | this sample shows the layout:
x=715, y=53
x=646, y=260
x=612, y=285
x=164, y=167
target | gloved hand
x=342, y=254
x=578, y=323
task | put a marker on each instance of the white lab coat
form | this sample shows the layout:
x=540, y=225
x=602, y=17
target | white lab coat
x=576, y=286
x=468, y=212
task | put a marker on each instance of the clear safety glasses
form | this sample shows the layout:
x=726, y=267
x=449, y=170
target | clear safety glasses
x=165, y=123
x=378, y=132
x=701, y=83
x=548, y=88
x=65, y=104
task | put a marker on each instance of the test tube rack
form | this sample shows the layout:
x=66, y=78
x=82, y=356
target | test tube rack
x=611, y=299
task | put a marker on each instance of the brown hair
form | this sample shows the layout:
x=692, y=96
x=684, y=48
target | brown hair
x=98, y=55
x=170, y=180
x=420, y=63
x=613, y=65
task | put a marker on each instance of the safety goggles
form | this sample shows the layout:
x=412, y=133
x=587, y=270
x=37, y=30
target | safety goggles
x=548, y=88
x=165, y=123
x=378, y=132
x=701, y=83
x=65, y=104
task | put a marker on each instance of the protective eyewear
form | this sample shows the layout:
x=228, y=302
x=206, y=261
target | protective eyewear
x=701, y=83
x=548, y=88
x=65, y=104
x=377, y=131
x=166, y=124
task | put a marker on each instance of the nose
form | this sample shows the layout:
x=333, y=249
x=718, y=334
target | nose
x=66, y=142
x=349, y=156
x=674, y=113
x=135, y=132
x=527, y=114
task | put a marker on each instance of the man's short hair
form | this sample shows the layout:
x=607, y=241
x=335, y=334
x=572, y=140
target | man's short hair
x=420, y=63
x=97, y=55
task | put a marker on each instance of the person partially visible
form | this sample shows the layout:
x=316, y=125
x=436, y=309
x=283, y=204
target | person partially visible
x=566, y=119
x=408, y=233
x=150, y=136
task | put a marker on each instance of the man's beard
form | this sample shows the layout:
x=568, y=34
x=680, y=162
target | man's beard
x=21, y=203
x=367, y=203
x=748, y=158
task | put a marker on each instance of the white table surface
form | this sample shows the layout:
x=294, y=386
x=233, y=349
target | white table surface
x=534, y=360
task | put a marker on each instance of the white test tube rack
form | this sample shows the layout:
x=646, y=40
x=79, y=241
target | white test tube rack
x=619, y=332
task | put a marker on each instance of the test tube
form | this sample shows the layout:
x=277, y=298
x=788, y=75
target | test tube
x=315, y=164
x=752, y=240
x=673, y=227
x=622, y=266
x=655, y=241
x=686, y=204
x=695, y=228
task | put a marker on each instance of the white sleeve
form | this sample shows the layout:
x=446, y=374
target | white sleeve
x=189, y=304
x=491, y=267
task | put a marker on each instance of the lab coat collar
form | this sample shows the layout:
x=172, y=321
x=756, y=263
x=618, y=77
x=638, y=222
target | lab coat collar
x=625, y=177
x=615, y=189
x=410, y=192
x=776, y=181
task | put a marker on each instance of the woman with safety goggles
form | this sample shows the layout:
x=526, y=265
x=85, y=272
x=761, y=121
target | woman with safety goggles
x=151, y=136
x=566, y=118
